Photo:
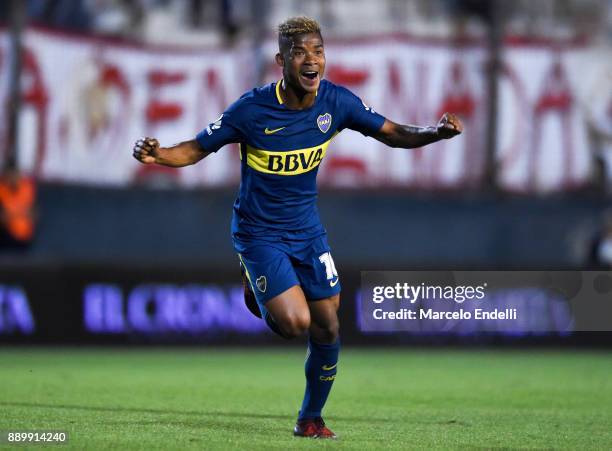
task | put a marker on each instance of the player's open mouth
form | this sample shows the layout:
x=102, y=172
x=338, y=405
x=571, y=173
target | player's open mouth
x=310, y=77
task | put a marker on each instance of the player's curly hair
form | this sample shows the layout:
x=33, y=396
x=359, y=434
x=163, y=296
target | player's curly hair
x=297, y=25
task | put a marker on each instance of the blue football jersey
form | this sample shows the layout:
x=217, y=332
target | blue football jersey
x=281, y=150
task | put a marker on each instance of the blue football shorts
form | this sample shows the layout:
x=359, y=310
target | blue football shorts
x=274, y=267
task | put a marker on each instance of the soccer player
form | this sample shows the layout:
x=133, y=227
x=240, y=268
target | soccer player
x=284, y=130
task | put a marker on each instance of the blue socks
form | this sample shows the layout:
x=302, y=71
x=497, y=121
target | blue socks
x=320, y=369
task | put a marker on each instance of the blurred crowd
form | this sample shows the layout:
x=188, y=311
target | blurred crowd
x=217, y=21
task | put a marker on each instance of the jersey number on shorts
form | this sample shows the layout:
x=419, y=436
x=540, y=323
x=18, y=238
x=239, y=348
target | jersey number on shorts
x=330, y=268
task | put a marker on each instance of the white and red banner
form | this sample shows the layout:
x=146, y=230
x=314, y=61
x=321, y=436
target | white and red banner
x=86, y=100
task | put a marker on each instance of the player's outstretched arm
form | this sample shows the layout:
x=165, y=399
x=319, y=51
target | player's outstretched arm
x=411, y=136
x=147, y=151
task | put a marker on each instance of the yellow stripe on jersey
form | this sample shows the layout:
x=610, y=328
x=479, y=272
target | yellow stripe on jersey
x=291, y=162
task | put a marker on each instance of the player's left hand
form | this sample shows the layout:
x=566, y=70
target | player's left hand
x=449, y=125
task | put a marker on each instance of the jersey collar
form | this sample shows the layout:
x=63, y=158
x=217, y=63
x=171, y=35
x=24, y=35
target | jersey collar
x=278, y=94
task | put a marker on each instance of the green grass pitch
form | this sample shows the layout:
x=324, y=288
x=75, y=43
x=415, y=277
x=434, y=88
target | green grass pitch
x=248, y=398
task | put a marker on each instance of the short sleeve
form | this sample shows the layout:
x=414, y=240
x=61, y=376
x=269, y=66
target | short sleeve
x=226, y=129
x=358, y=116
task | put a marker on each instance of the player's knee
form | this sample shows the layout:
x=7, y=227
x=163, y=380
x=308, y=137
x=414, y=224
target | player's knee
x=328, y=332
x=295, y=325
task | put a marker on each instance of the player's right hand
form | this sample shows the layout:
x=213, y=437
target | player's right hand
x=145, y=150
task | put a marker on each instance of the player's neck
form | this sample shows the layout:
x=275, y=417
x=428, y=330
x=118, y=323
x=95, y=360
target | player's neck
x=294, y=99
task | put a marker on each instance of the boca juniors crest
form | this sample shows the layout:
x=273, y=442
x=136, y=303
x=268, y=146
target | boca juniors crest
x=261, y=283
x=324, y=122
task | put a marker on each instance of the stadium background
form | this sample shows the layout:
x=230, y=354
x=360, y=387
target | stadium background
x=525, y=187
x=124, y=254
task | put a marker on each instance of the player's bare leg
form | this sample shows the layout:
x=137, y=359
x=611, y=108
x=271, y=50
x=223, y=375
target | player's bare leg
x=290, y=312
x=320, y=368
x=293, y=315
x=324, y=325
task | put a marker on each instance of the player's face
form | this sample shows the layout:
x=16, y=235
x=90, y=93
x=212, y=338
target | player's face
x=303, y=62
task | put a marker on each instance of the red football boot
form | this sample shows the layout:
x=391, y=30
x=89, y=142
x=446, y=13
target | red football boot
x=312, y=427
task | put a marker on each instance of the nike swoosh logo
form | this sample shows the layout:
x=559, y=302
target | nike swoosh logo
x=267, y=131
x=333, y=283
x=327, y=368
